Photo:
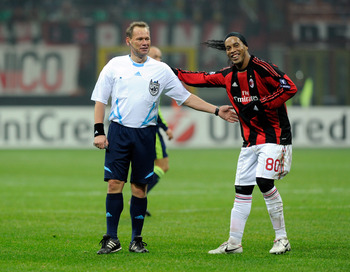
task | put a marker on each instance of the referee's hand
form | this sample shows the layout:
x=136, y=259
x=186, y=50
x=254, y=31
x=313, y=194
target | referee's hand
x=227, y=113
x=101, y=142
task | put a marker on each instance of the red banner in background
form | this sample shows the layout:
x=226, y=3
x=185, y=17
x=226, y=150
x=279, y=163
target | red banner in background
x=39, y=70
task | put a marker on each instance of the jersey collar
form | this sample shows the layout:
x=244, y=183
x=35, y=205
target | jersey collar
x=138, y=64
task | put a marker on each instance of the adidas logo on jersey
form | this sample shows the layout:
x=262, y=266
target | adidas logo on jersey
x=234, y=84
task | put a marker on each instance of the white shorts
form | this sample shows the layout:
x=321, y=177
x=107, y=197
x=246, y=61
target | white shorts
x=270, y=161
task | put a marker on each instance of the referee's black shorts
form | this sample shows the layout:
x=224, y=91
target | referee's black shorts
x=130, y=145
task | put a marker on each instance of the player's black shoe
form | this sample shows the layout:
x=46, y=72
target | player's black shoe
x=109, y=245
x=138, y=246
x=148, y=213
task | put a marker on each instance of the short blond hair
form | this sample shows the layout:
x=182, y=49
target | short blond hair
x=130, y=29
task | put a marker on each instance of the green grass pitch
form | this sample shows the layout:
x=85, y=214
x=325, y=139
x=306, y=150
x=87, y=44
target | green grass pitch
x=52, y=214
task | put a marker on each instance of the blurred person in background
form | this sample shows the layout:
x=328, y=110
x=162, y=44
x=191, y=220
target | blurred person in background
x=161, y=163
x=134, y=83
x=258, y=91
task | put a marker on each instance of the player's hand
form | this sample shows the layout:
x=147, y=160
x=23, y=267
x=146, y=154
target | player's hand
x=169, y=133
x=101, y=142
x=252, y=109
x=227, y=113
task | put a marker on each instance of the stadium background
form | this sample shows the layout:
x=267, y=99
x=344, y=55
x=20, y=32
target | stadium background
x=52, y=51
x=51, y=201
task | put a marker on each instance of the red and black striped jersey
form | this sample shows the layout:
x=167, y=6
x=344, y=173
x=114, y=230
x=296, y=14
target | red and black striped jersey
x=260, y=81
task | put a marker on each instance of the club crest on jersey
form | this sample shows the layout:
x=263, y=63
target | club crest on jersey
x=154, y=87
x=251, y=83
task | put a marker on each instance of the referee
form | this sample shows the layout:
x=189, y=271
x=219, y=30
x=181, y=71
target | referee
x=134, y=83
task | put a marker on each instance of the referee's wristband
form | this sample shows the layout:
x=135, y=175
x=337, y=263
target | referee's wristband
x=99, y=129
x=217, y=111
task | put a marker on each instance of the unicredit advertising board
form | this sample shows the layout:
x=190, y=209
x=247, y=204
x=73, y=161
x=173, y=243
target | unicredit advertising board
x=72, y=127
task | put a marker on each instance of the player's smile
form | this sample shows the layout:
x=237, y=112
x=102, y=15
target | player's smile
x=235, y=57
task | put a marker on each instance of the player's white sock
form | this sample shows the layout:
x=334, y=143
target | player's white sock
x=239, y=215
x=274, y=206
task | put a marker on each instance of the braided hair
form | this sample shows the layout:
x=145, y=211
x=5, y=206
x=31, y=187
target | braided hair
x=220, y=44
x=216, y=44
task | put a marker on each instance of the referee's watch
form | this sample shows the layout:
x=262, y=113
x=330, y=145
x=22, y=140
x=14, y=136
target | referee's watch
x=217, y=111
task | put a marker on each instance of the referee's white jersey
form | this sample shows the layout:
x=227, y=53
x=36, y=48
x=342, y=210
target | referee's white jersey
x=135, y=90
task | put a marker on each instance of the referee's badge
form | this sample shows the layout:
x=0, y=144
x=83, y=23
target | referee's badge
x=154, y=87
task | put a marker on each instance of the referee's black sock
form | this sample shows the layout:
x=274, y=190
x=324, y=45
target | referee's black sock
x=114, y=207
x=138, y=207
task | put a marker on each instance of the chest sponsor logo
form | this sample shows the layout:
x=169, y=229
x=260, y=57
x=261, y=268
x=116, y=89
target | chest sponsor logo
x=245, y=99
x=154, y=87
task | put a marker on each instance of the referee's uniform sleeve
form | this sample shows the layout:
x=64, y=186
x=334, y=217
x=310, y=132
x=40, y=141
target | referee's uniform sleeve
x=174, y=87
x=103, y=87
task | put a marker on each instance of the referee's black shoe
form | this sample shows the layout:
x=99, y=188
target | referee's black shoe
x=109, y=245
x=138, y=246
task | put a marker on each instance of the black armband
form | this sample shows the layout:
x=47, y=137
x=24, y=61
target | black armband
x=99, y=129
x=217, y=111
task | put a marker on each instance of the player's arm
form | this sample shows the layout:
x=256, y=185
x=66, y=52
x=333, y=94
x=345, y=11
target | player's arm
x=279, y=85
x=100, y=140
x=163, y=124
x=161, y=121
x=225, y=112
x=175, y=90
x=201, y=79
x=284, y=89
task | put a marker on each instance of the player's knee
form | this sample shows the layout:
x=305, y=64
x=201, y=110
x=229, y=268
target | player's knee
x=244, y=190
x=265, y=185
x=166, y=168
x=165, y=164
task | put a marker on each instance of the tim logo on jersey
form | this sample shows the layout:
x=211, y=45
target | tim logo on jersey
x=154, y=87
